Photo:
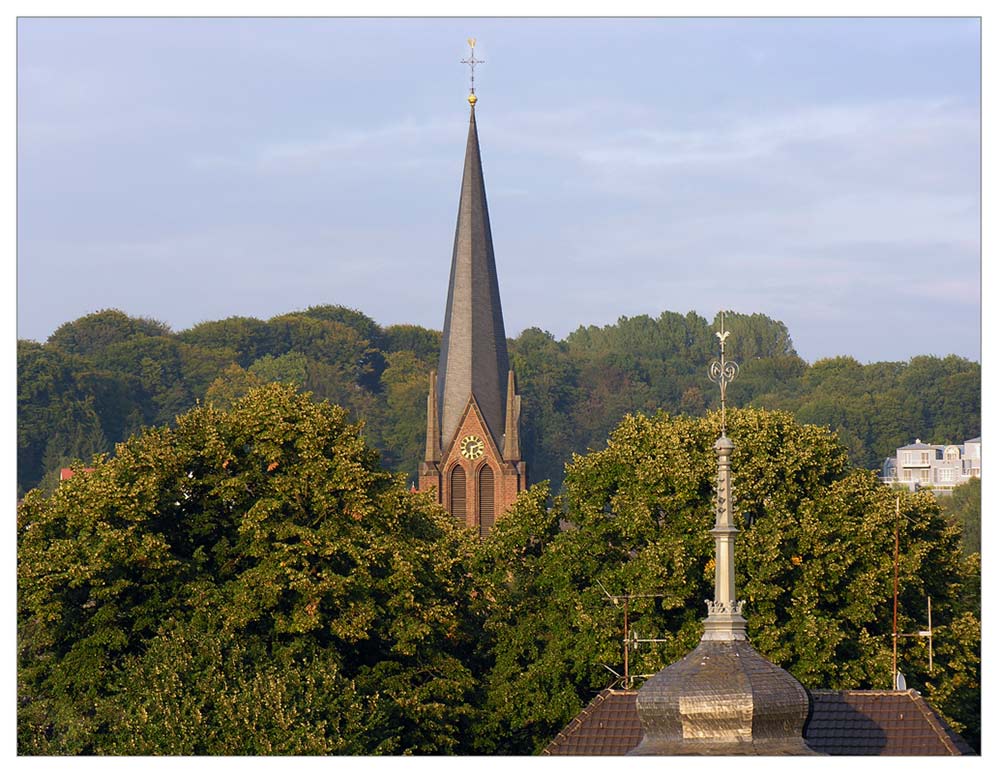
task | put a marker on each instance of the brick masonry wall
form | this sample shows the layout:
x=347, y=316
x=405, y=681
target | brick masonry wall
x=510, y=478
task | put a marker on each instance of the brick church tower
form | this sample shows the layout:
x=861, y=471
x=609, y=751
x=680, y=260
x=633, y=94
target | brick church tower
x=473, y=411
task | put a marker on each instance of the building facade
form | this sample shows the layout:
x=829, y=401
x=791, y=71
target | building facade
x=934, y=466
x=472, y=456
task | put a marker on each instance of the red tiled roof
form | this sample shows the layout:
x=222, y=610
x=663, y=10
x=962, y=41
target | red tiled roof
x=608, y=726
x=66, y=473
x=879, y=723
x=840, y=723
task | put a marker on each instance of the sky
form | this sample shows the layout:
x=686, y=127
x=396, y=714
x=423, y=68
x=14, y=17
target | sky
x=823, y=172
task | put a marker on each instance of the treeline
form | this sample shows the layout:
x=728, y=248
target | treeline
x=101, y=378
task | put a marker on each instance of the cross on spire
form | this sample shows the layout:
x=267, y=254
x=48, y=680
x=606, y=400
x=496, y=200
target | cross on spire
x=471, y=62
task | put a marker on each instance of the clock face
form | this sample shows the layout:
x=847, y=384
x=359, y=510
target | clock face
x=472, y=447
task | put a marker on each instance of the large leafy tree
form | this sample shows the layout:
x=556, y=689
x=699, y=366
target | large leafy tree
x=814, y=563
x=248, y=581
x=248, y=337
x=94, y=332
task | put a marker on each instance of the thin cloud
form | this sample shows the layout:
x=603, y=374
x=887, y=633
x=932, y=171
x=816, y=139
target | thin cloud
x=905, y=122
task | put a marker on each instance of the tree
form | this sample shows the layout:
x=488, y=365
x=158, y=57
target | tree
x=94, y=332
x=403, y=428
x=756, y=336
x=230, y=385
x=291, y=368
x=248, y=337
x=529, y=695
x=547, y=380
x=366, y=329
x=964, y=508
x=57, y=417
x=246, y=582
x=424, y=343
x=814, y=563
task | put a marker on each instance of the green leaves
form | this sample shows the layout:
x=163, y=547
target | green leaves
x=233, y=569
x=964, y=509
x=814, y=564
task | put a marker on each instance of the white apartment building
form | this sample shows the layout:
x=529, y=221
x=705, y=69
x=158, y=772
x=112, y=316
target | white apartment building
x=933, y=466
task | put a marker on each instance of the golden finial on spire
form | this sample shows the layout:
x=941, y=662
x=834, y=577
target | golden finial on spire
x=471, y=62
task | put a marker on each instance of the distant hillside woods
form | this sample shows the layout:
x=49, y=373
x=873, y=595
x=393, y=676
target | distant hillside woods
x=99, y=379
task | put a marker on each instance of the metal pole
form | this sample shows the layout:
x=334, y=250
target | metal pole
x=627, y=677
x=929, y=625
x=894, y=619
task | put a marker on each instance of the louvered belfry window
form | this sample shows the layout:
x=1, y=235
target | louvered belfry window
x=487, y=500
x=459, y=501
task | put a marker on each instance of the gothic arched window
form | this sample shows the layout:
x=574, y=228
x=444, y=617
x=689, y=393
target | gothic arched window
x=487, y=500
x=459, y=501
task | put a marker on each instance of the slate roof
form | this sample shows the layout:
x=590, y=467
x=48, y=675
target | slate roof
x=917, y=445
x=840, y=723
x=473, y=357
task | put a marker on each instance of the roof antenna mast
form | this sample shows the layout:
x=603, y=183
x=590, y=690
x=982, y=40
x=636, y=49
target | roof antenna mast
x=471, y=62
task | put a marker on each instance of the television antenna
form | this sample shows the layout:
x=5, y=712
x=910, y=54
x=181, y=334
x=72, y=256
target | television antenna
x=631, y=638
x=926, y=633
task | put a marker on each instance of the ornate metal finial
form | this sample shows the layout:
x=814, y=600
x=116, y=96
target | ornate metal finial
x=724, y=621
x=471, y=62
x=722, y=371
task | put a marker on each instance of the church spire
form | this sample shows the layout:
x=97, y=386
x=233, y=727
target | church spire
x=472, y=454
x=473, y=359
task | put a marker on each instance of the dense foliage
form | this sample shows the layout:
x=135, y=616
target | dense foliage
x=250, y=582
x=247, y=582
x=99, y=379
x=814, y=564
x=964, y=508
x=242, y=576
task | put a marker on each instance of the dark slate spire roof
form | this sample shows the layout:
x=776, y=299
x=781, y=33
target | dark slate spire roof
x=473, y=349
x=722, y=698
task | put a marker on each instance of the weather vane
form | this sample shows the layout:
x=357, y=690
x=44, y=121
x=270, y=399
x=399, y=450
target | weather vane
x=471, y=62
x=722, y=371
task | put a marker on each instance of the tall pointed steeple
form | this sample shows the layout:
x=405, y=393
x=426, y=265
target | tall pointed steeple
x=473, y=412
x=473, y=349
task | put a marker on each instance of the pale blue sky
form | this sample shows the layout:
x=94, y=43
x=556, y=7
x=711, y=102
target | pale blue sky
x=824, y=172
